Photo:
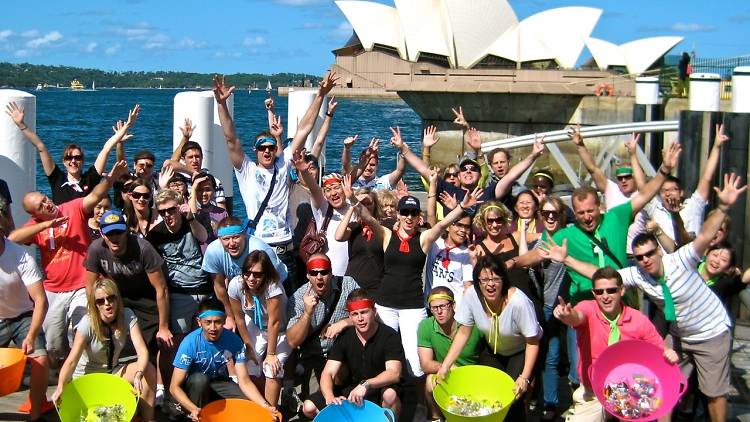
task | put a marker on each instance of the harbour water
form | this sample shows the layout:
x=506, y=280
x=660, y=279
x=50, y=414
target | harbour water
x=86, y=118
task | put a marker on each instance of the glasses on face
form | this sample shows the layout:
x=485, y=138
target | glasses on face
x=264, y=148
x=100, y=301
x=165, y=211
x=493, y=280
x=609, y=290
x=440, y=308
x=624, y=177
x=141, y=195
x=495, y=220
x=74, y=157
x=409, y=213
x=315, y=273
x=550, y=214
x=254, y=274
x=649, y=254
x=451, y=175
x=175, y=185
x=470, y=167
x=462, y=226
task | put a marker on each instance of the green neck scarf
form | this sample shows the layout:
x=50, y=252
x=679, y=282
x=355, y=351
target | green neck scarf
x=670, y=314
x=701, y=267
x=614, y=329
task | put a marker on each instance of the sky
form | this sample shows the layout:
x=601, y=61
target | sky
x=272, y=36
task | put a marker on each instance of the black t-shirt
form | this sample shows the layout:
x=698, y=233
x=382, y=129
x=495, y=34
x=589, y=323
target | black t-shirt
x=182, y=254
x=367, y=360
x=5, y=192
x=365, y=259
x=64, y=190
x=129, y=271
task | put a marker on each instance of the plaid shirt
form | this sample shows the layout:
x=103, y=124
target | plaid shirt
x=296, y=307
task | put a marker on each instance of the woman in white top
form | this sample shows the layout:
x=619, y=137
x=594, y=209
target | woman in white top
x=256, y=296
x=506, y=318
x=100, y=337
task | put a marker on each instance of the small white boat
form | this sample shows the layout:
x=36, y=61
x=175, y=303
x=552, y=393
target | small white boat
x=38, y=87
x=93, y=85
x=269, y=88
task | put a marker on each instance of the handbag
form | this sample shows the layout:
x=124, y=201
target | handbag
x=314, y=240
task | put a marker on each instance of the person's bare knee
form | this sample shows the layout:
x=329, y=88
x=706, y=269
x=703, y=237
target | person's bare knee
x=390, y=398
x=309, y=409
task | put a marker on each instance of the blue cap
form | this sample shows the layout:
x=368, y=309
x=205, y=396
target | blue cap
x=112, y=220
x=264, y=140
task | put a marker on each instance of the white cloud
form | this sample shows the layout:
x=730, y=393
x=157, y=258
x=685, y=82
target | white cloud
x=253, y=41
x=22, y=53
x=90, y=47
x=47, y=39
x=692, y=27
x=111, y=50
x=31, y=33
x=343, y=30
x=188, y=42
x=5, y=33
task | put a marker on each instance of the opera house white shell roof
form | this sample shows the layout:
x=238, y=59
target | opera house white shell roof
x=467, y=31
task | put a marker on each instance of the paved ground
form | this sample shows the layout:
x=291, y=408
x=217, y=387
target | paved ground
x=739, y=399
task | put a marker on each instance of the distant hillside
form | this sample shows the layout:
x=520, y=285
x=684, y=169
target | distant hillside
x=27, y=75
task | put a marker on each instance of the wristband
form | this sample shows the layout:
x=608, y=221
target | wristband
x=663, y=171
x=525, y=379
x=329, y=114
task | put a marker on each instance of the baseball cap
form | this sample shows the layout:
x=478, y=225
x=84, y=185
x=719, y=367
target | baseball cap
x=468, y=160
x=112, y=220
x=409, y=203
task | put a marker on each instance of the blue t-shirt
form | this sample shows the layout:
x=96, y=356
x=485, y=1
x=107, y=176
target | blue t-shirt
x=218, y=261
x=196, y=354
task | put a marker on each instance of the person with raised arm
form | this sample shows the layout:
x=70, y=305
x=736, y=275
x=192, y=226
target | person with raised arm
x=73, y=183
x=700, y=324
x=62, y=235
x=263, y=181
x=366, y=175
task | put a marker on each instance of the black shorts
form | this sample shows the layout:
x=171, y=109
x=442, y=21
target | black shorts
x=374, y=395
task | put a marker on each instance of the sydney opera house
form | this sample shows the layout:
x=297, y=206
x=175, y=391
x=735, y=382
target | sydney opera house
x=472, y=37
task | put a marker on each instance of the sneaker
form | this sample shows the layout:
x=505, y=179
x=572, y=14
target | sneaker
x=172, y=409
x=159, y=395
x=290, y=401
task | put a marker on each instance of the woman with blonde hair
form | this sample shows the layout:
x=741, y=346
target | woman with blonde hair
x=100, y=337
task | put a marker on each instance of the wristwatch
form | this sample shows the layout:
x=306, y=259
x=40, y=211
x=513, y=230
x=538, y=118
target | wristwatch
x=365, y=384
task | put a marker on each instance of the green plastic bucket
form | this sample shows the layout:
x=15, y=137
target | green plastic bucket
x=94, y=390
x=478, y=383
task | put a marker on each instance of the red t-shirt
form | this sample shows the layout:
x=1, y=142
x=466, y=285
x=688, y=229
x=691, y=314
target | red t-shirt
x=63, y=248
x=593, y=334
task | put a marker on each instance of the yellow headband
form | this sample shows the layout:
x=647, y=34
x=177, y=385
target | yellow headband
x=543, y=174
x=436, y=296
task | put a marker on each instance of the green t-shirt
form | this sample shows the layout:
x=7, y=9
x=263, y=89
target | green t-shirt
x=612, y=231
x=430, y=335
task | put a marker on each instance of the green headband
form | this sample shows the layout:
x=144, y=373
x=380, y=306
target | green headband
x=624, y=171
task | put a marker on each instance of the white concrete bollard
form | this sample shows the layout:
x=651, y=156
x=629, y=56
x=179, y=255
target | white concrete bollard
x=17, y=155
x=704, y=91
x=741, y=89
x=298, y=101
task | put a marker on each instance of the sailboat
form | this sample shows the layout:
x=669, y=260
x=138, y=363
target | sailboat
x=269, y=88
x=93, y=85
x=38, y=87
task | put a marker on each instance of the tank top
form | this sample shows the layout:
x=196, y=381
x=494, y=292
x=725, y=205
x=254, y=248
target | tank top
x=401, y=286
x=519, y=277
x=366, y=259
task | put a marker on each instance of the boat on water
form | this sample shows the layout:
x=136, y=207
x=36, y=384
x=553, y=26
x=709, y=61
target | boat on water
x=269, y=88
x=93, y=85
x=76, y=85
x=38, y=87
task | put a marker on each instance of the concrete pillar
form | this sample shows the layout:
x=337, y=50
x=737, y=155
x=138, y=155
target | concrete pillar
x=647, y=108
x=705, y=91
x=734, y=158
x=17, y=155
x=741, y=89
x=298, y=102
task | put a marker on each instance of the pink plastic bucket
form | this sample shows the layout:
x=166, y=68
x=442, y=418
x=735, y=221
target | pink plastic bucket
x=626, y=358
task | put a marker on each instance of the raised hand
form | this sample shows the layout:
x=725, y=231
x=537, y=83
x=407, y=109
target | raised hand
x=187, y=128
x=133, y=115
x=310, y=300
x=396, y=139
x=721, y=137
x=670, y=155
x=327, y=84
x=16, y=113
x=346, y=186
x=118, y=170
x=401, y=189
x=350, y=140
x=269, y=103
x=55, y=222
x=551, y=250
x=473, y=139
x=564, y=311
x=731, y=191
x=120, y=125
x=538, y=148
x=460, y=119
x=429, y=138
x=277, y=128
x=473, y=198
x=574, y=133
x=632, y=144
x=221, y=90
x=434, y=174
x=448, y=200
x=166, y=173
x=332, y=106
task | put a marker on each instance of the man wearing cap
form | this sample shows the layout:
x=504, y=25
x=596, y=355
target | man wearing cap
x=225, y=256
x=136, y=267
x=372, y=354
x=201, y=372
x=434, y=337
x=600, y=323
x=61, y=233
x=317, y=313
x=264, y=182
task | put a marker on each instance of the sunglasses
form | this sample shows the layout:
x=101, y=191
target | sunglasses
x=264, y=148
x=144, y=165
x=141, y=195
x=549, y=214
x=471, y=168
x=255, y=274
x=451, y=174
x=315, y=273
x=108, y=299
x=609, y=290
x=74, y=157
x=409, y=213
x=495, y=220
x=624, y=177
x=649, y=254
x=165, y=211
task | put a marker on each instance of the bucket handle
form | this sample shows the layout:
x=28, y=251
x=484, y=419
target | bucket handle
x=389, y=414
x=683, y=384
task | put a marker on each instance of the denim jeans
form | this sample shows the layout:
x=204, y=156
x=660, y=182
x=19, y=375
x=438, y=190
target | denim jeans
x=572, y=357
x=550, y=375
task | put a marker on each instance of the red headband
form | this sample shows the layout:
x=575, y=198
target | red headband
x=331, y=181
x=360, y=304
x=318, y=263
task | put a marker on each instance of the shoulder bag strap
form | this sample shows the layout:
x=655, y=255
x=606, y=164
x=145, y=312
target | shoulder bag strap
x=252, y=224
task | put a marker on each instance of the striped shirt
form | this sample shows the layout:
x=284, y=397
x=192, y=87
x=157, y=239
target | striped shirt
x=700, y=313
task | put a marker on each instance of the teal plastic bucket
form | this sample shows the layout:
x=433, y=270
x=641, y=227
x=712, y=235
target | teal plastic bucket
x=349, y=412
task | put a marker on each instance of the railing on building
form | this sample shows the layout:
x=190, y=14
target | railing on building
x=671, y=85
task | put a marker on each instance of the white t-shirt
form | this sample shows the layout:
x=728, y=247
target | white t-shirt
x=18, y=269
x=700, y=313
x=94, y=357
x=274, y=226
x=453, y=277
x=613, y=196
x=274, y=290
x=376, y=183
x=691, y=213
x=517, y=321
x=338, y=252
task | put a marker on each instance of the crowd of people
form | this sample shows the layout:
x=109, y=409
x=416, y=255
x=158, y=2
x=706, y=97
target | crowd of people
x=348, y=278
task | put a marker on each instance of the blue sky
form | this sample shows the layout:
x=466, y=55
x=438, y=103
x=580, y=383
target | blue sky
x=269, y=36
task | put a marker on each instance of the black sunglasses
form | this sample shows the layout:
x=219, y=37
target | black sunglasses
x=74, y=157
x=315, y=273
x=451, y=174
x=139, y=195
x=470, y=167
x=264, y=148
x=109, y=299
x=609, y=290
x=497, y=220
x=166, y=211
x=549, y=214
x=625, y=177
x=256, y=274
x=649, y=254
x=409, y=213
